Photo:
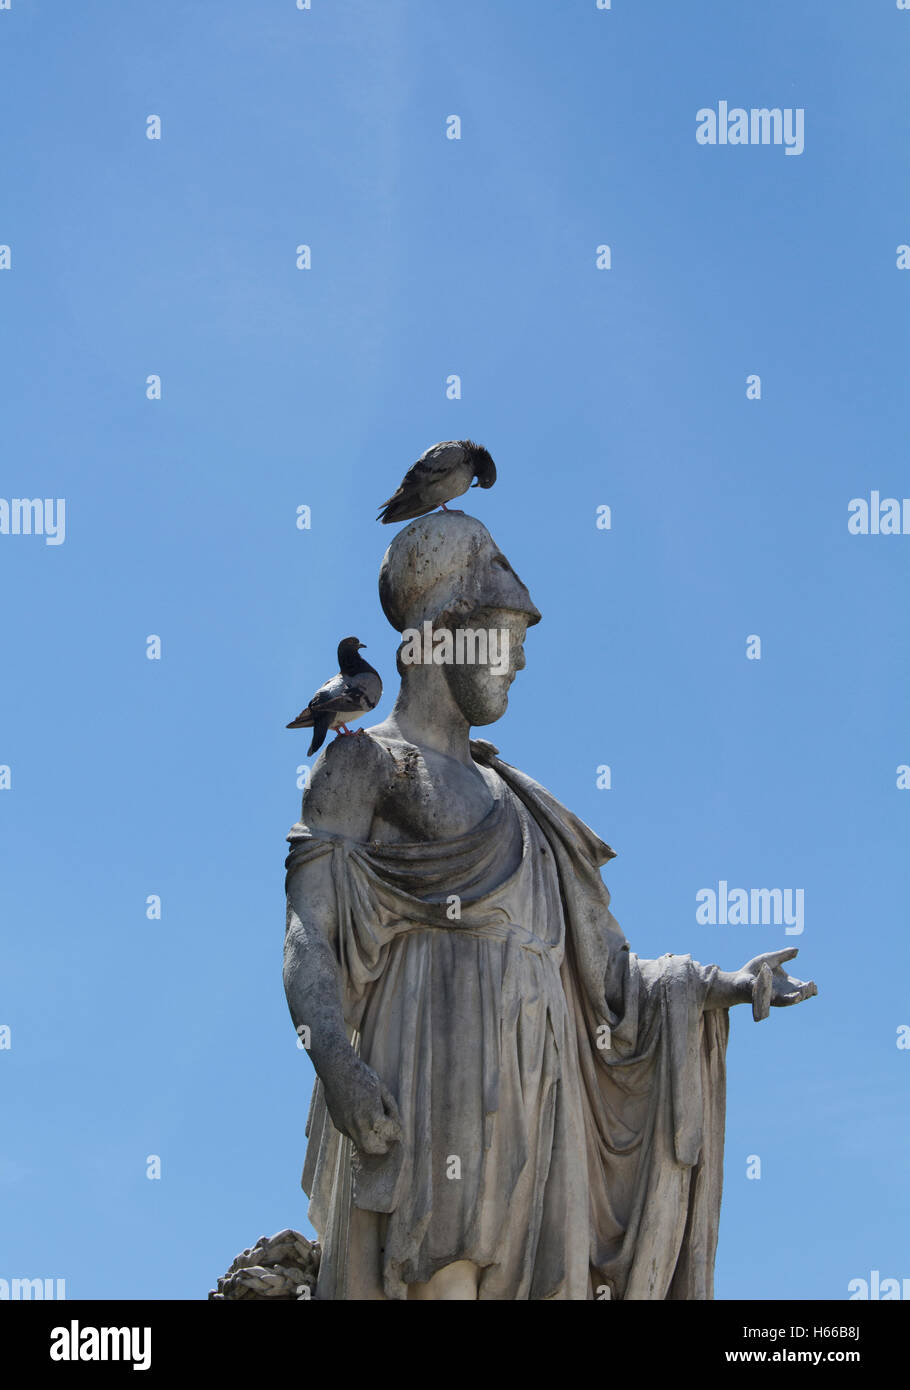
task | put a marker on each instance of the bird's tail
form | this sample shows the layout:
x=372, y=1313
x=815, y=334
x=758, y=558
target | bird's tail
x=304, y=720
x=400, y=511
x=321, y=725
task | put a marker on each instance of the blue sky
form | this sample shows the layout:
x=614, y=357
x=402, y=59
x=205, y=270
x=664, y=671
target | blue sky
x=282, y=387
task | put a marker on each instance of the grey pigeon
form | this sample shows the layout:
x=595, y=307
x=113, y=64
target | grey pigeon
x=443, y=472
x=353, y=692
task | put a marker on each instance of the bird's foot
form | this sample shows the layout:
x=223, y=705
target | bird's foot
x=452, y=511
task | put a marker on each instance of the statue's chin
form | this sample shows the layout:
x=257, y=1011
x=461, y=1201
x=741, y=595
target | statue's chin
x=482, y=706
x=478, y=722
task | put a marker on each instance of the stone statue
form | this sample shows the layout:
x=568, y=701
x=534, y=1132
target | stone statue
x=509, y=1103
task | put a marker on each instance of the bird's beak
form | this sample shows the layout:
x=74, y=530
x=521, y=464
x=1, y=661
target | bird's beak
x=360, y=644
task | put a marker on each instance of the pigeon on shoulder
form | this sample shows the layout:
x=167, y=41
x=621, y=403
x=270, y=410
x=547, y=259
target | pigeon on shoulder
x=352, y=693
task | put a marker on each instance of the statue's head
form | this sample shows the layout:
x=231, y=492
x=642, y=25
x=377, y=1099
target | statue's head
x=444, y=574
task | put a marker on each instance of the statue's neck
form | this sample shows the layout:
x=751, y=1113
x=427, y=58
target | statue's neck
x=426, y=714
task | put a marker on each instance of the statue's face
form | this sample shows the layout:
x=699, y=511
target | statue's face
x=446, y=573
x=481, y=689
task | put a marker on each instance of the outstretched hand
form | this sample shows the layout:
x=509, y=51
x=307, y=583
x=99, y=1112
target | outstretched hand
x=769, y=985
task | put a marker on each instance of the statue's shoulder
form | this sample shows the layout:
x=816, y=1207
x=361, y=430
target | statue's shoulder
x=347, y=782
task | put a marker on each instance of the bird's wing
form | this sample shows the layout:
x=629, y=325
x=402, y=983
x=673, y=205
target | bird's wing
x=345, y=694
x=436, y=462
x=432, y=467
x=370, y=686
x=320, y=702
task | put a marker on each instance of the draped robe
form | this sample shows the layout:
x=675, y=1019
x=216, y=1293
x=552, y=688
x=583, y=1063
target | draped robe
x=569, y=1149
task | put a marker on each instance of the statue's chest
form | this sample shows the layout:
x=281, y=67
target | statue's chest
x=432, y=800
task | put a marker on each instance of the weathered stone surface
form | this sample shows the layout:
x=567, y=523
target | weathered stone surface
x=279, y=1268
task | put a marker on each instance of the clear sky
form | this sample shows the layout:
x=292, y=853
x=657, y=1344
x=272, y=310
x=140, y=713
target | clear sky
x=280, y=388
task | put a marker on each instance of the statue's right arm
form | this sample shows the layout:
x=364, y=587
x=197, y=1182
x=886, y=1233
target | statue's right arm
x=340, y=800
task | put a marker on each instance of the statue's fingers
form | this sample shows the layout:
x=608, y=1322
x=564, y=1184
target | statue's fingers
x=391, y=1134
x=390, y=1103
x=390, y=1130
x=802, y=987
x=796, y=996
x=373, y=1142
x=773, y=959
x=776, y=958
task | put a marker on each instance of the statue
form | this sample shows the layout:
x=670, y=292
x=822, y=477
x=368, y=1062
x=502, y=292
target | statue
x=509, y=1103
